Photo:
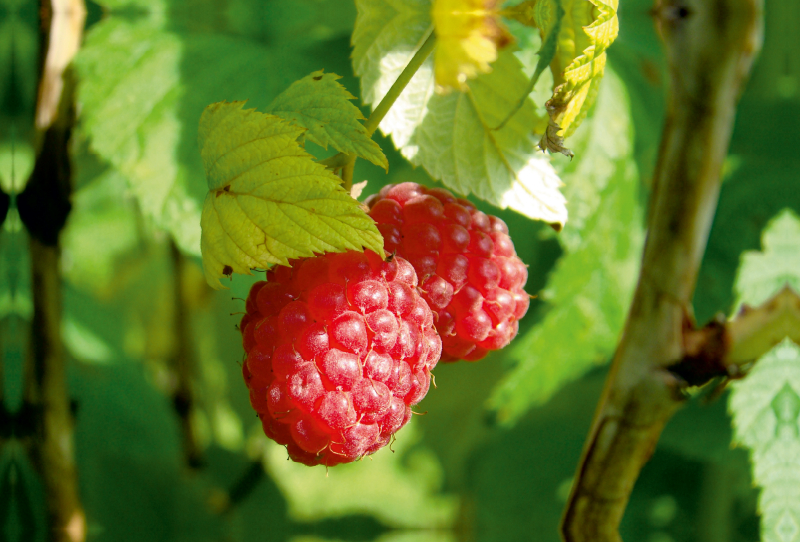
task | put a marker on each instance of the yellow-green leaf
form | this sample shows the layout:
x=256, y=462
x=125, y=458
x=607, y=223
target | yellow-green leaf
x=587, y=29
x=456, y=137
x=268, y=200
x=319, y=103
x=469, y=33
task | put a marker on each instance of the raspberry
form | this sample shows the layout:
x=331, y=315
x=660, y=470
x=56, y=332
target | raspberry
x=469, y=273
x=339, y=348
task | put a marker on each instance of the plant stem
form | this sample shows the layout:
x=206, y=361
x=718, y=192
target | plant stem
x=710, y=47
x=52, y=449
x=183, y=396
x=347, y=172
x=389, y=99
x=43, y=208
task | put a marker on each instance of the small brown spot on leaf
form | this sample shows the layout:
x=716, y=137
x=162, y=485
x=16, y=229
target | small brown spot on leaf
x=317, y=78
x=227, y=270
x=227, y=188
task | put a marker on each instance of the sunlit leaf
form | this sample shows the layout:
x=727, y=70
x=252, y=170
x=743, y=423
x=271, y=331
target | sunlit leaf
x=761, y=275
x=588, y=28
x=591, y=287
x=453, y=136
x=766, y=409
x=268, y=200
x=755, y=191
x=469, y=32
x=143, y=83
x=319, y=103
x=766, y=404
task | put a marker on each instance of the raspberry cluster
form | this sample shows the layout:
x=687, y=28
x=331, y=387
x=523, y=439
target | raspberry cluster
x=339, y=347
x=468, y=270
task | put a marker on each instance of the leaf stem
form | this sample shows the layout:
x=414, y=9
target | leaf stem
x=400, y=84
x=389, y=99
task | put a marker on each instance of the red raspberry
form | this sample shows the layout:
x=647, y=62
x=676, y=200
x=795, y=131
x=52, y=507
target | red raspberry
x=339, y=348
x=469, y=273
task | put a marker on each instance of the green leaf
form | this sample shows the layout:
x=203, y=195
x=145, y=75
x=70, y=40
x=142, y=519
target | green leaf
x=298, y=23
x=588, y=28
x=538, y=14
x=766, y=404
x=761, y=275
x=753, y=192
x=143, y=83
x=268, y=200
x=766, y=409
x=19, y=47
x=128, y=454
x=468, y=33
x=392, y=536
x=99, y=218
x=402, y=489
x=453, y=136
x=319, y=103
x=591, y=287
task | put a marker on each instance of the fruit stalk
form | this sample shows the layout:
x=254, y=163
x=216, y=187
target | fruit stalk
x=710, y=48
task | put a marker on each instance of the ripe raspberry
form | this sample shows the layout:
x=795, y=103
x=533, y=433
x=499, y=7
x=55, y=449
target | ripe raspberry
x=339, y=347
x=468, y=270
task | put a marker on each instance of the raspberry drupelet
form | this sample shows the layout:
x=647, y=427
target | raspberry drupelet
x=468, y=270
x=339, y=347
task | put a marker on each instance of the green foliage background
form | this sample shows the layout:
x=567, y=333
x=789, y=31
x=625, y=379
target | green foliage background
x=493, y=457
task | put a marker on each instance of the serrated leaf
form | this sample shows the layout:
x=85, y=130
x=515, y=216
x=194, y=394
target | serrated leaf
x=469, y=33
x=453, y=136
x=761, y=275
x=319, y=103
x=591, y=287
x=766, y=411
x=268, y=200
x=766, y=404
x=587, y=29
x=143, y=83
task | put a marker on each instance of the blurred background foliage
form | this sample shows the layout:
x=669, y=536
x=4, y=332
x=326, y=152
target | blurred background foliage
x=494, y=456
